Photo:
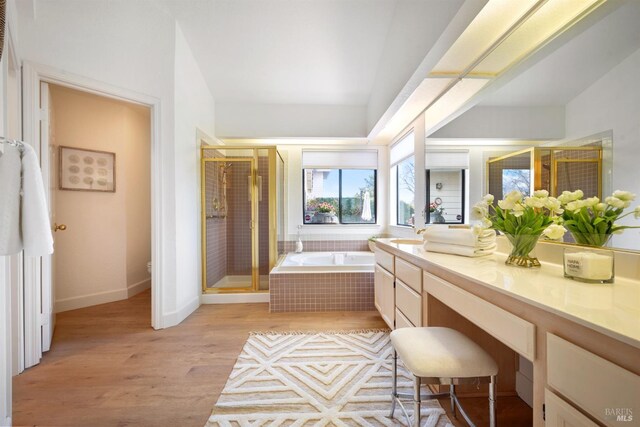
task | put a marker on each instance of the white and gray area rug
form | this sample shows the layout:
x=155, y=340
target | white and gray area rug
x=316, y=379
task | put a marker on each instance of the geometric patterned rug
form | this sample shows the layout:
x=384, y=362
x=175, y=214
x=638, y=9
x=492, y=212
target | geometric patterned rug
x=316, y=379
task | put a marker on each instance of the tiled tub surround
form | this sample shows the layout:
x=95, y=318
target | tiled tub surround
x=326, y=245
x=312, y=282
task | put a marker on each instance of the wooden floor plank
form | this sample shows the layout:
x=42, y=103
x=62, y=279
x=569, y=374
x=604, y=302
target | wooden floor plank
x=108, y=367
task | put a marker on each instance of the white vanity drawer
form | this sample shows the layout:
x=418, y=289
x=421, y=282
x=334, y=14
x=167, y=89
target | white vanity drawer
x=516, y=333
x=409, y=303
x=409, y=274
x=402, y=321
x=559, y=413
x=591, y=382
x=385, y=260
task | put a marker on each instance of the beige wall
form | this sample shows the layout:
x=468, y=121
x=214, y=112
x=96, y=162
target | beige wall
x=102, y=255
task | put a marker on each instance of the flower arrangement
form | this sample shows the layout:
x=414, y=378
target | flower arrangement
x=591, y=221
x=325, y=207
x=435, y=208
x=523, y=220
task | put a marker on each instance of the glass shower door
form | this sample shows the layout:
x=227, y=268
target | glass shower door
x=228, y=215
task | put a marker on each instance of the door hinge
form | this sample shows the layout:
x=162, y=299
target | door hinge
x=544, y=413
x=44, y=319
x=394, y=284
x=44, y=114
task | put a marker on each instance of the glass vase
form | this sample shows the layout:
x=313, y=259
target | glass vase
x=521, y=247
x=587, y=239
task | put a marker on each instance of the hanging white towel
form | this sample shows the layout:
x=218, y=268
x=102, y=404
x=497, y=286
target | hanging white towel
x=24, y=221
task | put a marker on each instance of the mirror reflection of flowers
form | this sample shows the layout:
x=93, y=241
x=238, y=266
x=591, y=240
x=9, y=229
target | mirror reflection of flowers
x=593, y=222
x=325, y=207
x=435, y=208
x=523, y=220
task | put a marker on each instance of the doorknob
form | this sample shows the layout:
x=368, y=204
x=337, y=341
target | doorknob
x=60, y=227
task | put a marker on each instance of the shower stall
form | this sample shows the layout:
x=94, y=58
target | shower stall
x=242, y=217
x=555, y=169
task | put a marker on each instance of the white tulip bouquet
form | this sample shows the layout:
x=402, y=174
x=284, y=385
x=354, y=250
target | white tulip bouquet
x=591, y=221
x=523, y=220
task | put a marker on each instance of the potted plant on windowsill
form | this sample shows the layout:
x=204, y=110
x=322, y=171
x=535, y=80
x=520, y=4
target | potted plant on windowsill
x=325, y=213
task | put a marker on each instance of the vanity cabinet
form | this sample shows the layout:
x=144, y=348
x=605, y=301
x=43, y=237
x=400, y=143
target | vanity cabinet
x=559, y=413
x=385, y=294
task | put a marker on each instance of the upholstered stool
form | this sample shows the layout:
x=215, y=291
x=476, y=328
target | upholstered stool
x=441, y=356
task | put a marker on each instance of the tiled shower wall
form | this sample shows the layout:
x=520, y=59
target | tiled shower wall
x=216, y=228
x=321, y=292
x=238, y=235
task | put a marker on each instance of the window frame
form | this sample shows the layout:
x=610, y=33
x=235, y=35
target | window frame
x=339, y=213
x=427, y=216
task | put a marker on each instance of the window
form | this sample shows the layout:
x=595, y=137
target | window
x=403, y=180
x=445, y=196
x=406, y=183
x=339, y=196
x=516, y=179
x=446, y=184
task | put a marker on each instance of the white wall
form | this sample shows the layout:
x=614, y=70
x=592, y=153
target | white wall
x=538, y=123
x=613, y=103
x=293, y=200
x=297, y=121
x=136, y=46
x=194, y=109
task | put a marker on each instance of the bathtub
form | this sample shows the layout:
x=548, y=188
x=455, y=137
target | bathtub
x=326, y=262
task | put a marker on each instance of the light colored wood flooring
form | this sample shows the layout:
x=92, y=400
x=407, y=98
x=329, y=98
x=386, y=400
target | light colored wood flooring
x=107, y=367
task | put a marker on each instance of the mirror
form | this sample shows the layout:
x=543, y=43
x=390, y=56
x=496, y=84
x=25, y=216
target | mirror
x=579, y=91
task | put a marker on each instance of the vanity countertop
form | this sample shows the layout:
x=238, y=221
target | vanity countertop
x=611, y=309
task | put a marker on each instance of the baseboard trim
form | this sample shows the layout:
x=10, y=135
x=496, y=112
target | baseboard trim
x=83, y=301
x=234, y=298
x=136, y=288
x=524, y=388
x=176, y=317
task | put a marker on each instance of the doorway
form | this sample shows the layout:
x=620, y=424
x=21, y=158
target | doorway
x=100, y=195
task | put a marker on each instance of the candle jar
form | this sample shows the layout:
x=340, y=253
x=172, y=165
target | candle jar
x=591, y=265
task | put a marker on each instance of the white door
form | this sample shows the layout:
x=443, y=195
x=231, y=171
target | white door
x=48, y=165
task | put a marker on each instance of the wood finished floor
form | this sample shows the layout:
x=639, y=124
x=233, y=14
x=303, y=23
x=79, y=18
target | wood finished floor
x=107, y=367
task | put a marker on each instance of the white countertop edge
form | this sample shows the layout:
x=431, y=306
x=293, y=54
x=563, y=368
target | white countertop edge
x=397, y=250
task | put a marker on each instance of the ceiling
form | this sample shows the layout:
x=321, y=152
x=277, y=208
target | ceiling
x=287, y=52
x=563, y=74
x=324, y=52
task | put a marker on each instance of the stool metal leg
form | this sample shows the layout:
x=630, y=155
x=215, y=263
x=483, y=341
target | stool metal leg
x=416, y=402
x=492, y=402
x=394, y=389
x=452, y=394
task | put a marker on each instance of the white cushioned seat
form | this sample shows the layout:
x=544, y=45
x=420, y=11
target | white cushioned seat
x=435, y=352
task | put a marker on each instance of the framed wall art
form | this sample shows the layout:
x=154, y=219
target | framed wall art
x=86, y=170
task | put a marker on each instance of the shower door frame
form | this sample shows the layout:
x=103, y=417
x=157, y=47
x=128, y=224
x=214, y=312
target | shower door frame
x=256, y=223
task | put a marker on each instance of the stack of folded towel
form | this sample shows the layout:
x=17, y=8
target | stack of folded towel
x=459, y=240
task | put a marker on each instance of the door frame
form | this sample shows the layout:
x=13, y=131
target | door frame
x=32, y=75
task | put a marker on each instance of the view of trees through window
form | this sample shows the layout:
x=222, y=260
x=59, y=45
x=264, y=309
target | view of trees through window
x=406, y=191
x=516, y=179
x=333, y=196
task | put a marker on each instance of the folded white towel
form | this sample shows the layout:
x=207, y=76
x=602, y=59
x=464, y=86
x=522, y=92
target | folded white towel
x=460, y=236
x=467, y=251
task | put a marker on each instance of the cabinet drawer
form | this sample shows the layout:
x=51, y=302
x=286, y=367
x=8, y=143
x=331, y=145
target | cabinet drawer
x=591, y=382
x=559, y=413
x=385, y=260
x=402, y=321
x=516, y=333
x=409, y=303
x=409, y=274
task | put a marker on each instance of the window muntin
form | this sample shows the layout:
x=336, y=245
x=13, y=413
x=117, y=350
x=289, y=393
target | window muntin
x=338, y=196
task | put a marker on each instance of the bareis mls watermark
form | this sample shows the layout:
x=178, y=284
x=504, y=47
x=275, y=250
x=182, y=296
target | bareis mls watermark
x=619, y=414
